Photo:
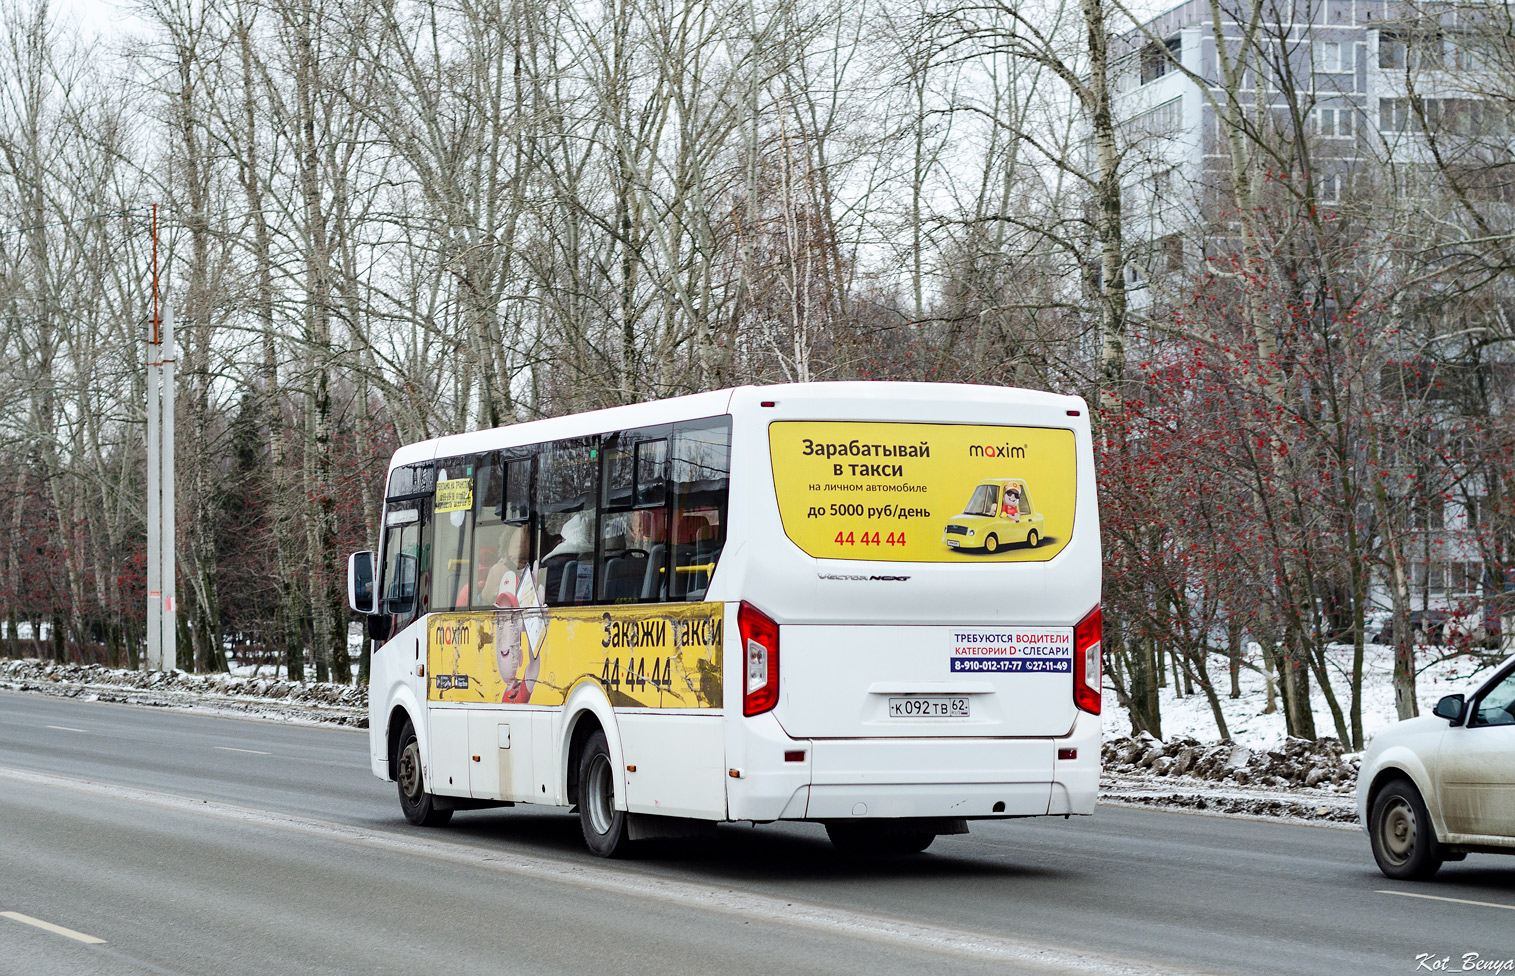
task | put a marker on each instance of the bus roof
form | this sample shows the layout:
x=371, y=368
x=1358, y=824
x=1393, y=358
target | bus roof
x=718, y=402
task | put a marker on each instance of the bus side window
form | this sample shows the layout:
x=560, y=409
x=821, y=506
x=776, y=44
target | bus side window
x=634, y=524
x=502, y=535
x=452, y=546
x=488, y=500
x=652, y=473
x=401, y=572
x=568, y=481
x=517, y=500
x=700, y=481
x=406, y=566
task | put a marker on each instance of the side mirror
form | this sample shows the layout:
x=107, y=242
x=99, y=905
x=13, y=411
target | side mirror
x=360, y=579
x=1450, y=708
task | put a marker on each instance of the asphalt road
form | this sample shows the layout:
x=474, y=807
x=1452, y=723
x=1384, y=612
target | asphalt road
x=199, y=845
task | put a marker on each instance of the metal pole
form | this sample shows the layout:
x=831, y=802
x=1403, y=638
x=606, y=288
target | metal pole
x=154, y=661
x=170, y=609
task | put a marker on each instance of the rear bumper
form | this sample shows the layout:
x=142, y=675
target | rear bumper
x=966, y=800
x=971, y=778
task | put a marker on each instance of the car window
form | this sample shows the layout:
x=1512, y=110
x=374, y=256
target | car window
x=983, y=501
x=1498, y=706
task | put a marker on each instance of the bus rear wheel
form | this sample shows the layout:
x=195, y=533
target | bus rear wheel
x=991, y=542
x=418, y=805
x=603, y=825
x=878, y=839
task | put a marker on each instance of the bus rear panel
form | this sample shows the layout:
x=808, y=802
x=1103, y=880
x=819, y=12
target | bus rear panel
x=922, y=673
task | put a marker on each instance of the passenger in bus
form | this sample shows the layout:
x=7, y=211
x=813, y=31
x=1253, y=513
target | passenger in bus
x=578, y=536
x=505, y=576
x=566, y=572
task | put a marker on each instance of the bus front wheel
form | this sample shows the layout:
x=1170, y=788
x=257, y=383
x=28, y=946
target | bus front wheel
x=991, y=542
x=604, y=826
x=418, y=805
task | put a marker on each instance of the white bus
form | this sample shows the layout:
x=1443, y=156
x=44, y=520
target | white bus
x=811, y=602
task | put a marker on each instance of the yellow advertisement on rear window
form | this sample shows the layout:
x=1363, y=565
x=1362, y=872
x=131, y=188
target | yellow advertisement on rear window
x=648, y=656
x=924, y=492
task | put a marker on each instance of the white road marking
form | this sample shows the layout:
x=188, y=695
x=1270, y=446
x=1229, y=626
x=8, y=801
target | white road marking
x=55, y=929
x=688, y=894
x=255, y=752
x=64, y=728
x=1459, y=901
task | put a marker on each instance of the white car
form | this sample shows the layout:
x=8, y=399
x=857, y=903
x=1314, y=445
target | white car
x=1434, y=788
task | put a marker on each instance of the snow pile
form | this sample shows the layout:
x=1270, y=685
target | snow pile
x=1300, y=779
x=323, y=702
x=1297, y=763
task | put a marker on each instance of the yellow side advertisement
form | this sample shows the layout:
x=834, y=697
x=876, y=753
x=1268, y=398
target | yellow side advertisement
x=649, y=656
x=924, y=492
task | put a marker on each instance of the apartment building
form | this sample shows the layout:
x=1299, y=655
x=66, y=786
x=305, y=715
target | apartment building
x=1349, y=89
x=1336, y=75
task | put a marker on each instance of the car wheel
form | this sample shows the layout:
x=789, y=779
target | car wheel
x=603, y=825
x=1032, y=539
x=876, y=839
x=1404, y=842
x=418, y=805
x=991, y=542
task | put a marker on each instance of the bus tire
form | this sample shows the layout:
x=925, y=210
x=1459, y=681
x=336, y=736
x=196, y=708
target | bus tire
x=876, y=839
x=1032, y=539
x=991, y=542
x=603, y=825
x=418, y=805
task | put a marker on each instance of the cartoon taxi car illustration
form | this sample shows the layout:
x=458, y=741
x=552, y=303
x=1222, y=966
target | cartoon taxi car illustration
x=999, y=513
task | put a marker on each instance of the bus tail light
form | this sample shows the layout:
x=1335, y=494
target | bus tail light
x=1087, y=649
x=760, y=659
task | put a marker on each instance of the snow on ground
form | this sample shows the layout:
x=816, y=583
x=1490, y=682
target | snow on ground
x=1441, y=672
x=268, y=698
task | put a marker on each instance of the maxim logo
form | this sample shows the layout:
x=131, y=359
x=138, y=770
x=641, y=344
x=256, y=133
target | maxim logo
x=993, y=451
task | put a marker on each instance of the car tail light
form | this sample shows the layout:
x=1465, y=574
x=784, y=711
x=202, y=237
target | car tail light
x=760, y=659
x=1087, y=647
